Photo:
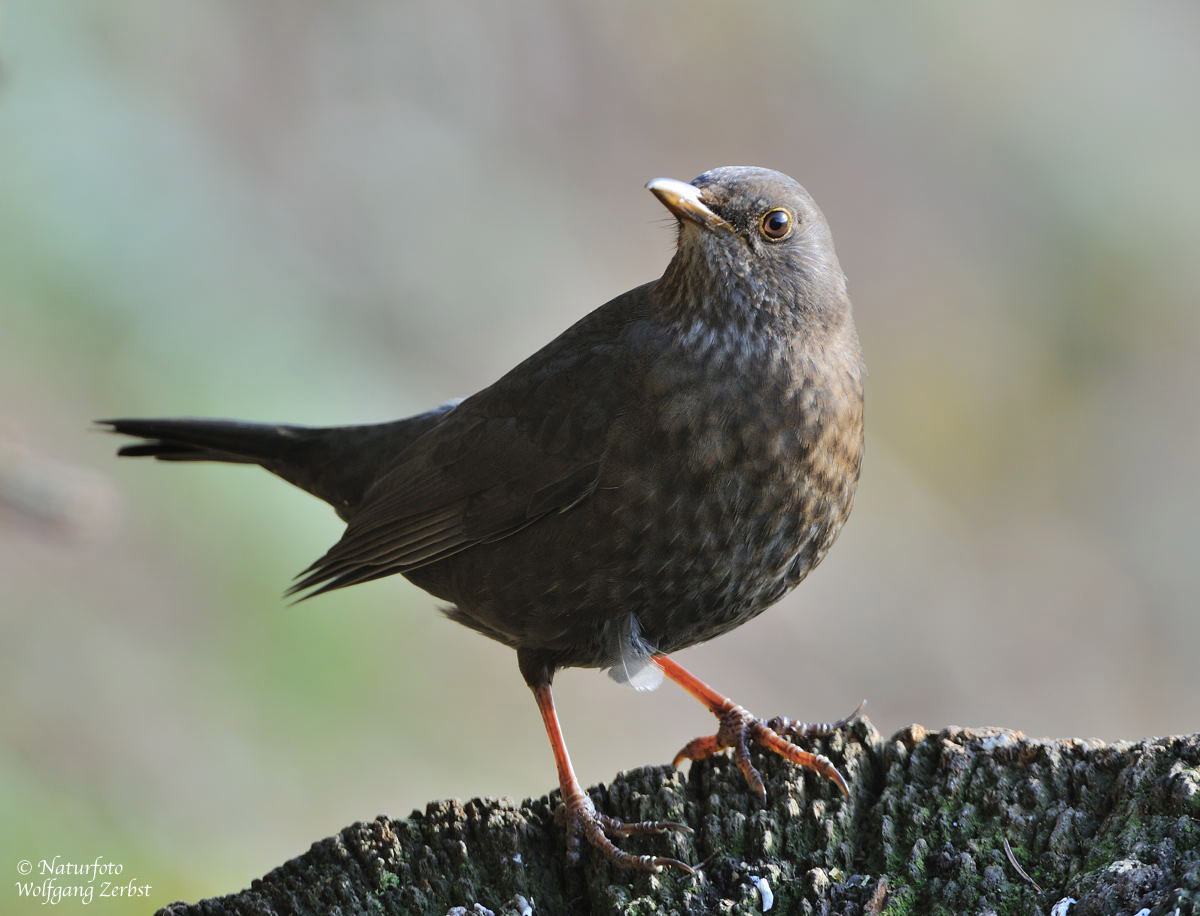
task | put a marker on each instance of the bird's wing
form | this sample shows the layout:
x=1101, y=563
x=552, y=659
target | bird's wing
x=530, y=445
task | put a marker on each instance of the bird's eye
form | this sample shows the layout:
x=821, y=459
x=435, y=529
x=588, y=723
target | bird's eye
x=776, y=224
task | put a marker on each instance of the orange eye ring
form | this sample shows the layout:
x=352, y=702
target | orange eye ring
x=776, y=224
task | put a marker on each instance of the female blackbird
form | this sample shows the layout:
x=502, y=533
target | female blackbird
x=660, y=473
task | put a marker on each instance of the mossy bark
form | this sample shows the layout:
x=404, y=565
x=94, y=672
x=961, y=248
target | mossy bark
x=1114, y=826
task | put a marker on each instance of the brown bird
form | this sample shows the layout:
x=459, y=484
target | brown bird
x=662, y=472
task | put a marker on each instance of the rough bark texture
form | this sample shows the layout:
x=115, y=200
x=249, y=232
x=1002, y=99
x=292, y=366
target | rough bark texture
x=1115, y=826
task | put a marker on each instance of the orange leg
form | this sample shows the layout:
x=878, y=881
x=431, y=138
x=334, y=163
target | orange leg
x=580, y=816
x=738, y=728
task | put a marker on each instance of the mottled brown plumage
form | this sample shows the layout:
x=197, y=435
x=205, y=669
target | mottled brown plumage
x=659, y=474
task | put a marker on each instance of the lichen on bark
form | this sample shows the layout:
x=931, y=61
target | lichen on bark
x=1114, y=826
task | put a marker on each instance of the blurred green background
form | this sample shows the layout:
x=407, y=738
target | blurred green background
x=331, y=213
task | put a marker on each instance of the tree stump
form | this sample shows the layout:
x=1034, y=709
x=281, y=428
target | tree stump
x=959, y=821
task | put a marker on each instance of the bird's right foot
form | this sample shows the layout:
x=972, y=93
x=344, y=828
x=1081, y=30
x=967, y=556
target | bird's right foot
x=582, y=821
x=739, y=730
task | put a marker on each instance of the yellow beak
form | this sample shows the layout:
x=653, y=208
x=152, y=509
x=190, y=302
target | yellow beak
x=683, y=200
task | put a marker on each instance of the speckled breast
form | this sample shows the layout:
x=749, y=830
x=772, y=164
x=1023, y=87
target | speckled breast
x=754, y=477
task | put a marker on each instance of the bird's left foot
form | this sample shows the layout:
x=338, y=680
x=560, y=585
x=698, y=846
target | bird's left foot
x=581, y=820
x=738, y=729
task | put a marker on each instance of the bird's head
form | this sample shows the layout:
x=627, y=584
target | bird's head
x=752, y=237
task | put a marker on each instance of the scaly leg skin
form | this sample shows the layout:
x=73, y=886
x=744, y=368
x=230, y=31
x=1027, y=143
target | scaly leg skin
x=738, y=728
x=580, y=817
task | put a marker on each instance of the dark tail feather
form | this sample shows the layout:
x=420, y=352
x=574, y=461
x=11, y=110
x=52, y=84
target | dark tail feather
x=207, y=440
x=334, y=463
x=165, y=451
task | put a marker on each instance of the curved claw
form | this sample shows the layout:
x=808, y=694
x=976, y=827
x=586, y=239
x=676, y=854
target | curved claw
x=660, y=861
x=697, y=749
x=818, y=763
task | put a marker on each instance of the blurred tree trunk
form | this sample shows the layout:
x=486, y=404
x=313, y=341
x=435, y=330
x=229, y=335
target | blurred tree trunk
x=1115, y=826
